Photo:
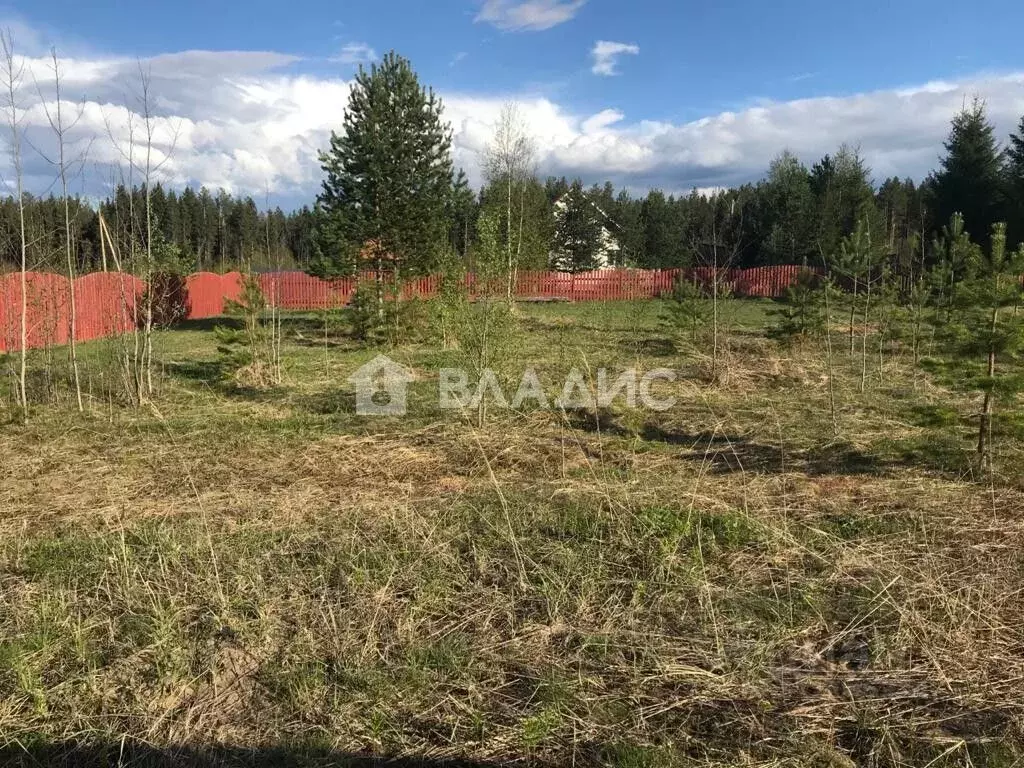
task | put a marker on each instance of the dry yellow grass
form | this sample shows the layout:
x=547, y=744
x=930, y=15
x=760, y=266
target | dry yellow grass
x=727, y=583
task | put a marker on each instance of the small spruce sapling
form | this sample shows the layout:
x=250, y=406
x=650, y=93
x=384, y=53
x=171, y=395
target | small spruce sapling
x=852, y=262
x=957, y=257
x=686, y=308
x=802, y=315
x=918, y=301
x=247, y=353
x=166, y=293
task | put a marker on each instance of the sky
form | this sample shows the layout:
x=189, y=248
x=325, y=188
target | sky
x=665, y=94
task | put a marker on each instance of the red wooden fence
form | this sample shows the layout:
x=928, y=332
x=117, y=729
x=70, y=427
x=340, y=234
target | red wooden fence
x=297, y=290
x=105, y=302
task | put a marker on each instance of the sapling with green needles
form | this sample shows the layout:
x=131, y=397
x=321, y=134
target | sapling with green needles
x=984, y=337
x=997, y=334
x=686, y=307
x=802, y=315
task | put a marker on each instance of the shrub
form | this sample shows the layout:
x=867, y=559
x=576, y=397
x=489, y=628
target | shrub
x=169, y=297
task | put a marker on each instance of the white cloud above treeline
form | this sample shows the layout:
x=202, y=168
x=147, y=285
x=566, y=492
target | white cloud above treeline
x=606, y=56
x=246, y=122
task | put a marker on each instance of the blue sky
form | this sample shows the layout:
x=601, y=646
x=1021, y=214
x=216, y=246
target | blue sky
x=695, y=57
x=700, y=94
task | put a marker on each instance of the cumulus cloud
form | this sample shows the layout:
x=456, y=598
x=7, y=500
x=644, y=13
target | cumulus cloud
x=899, y=132
x=606, y=55
x=532, y=15
x=223, y=119
x=355, y=53
x=601, y=121
x=241, y=121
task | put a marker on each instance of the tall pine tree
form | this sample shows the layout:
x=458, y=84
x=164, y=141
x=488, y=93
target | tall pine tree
x=969, y=180
x=578, y=232
x=388, y=176
x=844, y=197
x=1015, y=186
x=788, y=189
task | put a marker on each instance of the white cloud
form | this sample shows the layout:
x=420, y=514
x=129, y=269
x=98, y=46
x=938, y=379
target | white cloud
x=223, y=119
x=606, y=55
x=531, y=15
x=602, y=120
x=899, y=132
x=355, y=53
x=237, y=120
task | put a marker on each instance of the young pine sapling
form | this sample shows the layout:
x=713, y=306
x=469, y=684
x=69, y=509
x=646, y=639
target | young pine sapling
x=988, y=330
x=802, y=315
x=686, y=308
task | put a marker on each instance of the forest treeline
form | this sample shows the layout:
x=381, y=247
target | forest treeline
x=204, y=230
x=794, y=215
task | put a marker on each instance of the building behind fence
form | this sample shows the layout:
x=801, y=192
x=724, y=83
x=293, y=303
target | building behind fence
x=105, y=302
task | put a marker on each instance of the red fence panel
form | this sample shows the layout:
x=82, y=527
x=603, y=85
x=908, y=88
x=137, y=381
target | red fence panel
x=47, y=317
x=231, y=285
x=10, y=311
x=105, y=302
x=205, y=295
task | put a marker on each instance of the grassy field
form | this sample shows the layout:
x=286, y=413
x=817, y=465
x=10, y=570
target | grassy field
x=242, y=576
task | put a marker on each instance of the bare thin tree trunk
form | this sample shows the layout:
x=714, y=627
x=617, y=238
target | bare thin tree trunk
x=103, y=245
x=714, y=303
x=853, y=315
x=514, y=272
x=275, y=313
x=128, y=367
x=137, y=362
x=12, y=80
x=507, y=160
x=881, y=355
x=916, y=329
x=828, y=353
x=150, y=267
x=864, y=336
x=143, y=354
x=72, y=306
x=59, y=129
x=508, y=235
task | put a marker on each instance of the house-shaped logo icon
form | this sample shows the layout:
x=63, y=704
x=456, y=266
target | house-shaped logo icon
x=380, y=387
